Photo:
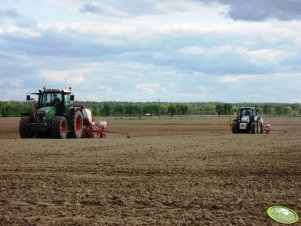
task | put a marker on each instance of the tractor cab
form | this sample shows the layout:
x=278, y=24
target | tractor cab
x=59, y=99
x=53, y=97
x=51, y=102
x=247, y=111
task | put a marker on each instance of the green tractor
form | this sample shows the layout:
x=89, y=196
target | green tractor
x=247, y=121
x=54, y=116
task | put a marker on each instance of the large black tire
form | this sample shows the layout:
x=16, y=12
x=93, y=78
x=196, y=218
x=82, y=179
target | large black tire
x=76, y=129
x=254, y=127
x=259, y=127
x=59, y=127
x=235, y=127
x=24, y=129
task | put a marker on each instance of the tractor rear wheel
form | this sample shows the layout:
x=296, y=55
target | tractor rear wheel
x=259, y=128
x=254, y=127
x=76, y=129
x=24, y=128
x=59, y=127
x=260, y=125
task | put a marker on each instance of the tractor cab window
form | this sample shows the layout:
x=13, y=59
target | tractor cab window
x=247, y=112
x=67, y=100
x=50, y=99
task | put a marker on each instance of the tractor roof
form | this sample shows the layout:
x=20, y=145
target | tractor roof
x=56, y=90
x=247, y=107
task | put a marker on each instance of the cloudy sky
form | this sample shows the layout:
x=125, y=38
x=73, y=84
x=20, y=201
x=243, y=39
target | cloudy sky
x=150, y=50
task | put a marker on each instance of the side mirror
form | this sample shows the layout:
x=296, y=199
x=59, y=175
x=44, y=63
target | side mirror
x=72, y=97
x=28, y=97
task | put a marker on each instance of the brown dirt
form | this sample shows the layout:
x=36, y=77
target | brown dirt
x=189, y=171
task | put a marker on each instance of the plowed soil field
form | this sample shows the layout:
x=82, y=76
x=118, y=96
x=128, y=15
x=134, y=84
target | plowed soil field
x=172, y=171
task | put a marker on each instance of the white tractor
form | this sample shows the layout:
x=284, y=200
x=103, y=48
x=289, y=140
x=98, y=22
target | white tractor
x=247, y=121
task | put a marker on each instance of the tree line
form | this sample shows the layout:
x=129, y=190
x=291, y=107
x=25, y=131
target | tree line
x=139, y=109
x=120, y=109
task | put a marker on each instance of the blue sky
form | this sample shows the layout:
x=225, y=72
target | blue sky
x=150, y=50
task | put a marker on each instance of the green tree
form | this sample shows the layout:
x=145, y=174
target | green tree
x=279, y=110
x=138, y=109
x=219, y=108
x=4, y=111
x=207, y=109
x=267, y=109
x=118, y=109
x=129, y=109
x=107, y=109
x=171, y=110
x=287, y=111
x=184, y=110
x=95, y=110
x=228, y=109
x=156, y=108
x=163, y=109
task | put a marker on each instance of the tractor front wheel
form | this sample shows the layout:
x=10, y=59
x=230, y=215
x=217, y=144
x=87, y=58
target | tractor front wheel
x=24, y=128
x=60, y=127
x=76, y=129
x=235, y=127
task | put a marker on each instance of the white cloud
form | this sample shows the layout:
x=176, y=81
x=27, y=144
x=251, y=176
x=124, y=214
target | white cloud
x=148, y=88
x=71, y=77
x=235, y=78
x=66, y=4
x=266, y=55
x=20, y=32
x=289, y=76
x=105, y=89
x=194, y=50
x=180, y=6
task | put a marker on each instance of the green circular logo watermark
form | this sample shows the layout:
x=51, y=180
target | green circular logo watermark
x=282, y=214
